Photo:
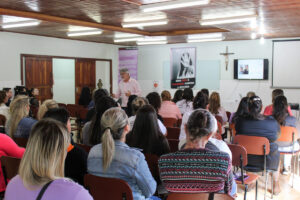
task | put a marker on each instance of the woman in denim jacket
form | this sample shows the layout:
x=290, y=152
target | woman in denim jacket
x=113, y=158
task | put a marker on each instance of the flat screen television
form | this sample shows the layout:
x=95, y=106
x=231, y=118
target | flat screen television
x=251, y=69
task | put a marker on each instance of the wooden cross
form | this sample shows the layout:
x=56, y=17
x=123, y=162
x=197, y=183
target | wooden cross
x=226, y=54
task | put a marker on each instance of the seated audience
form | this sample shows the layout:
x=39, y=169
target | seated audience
x=33, y=93
x=8, y=148
x=98, y=94
x=114, y=159
x=154, y=100
x=46, y=105
x=9, y=95
x=205, y=91
x=43, y=165
x=146, y=134
x=91, y=131
x=250, y=94
x=180, y=171
x=136, y=105
x=76, y=160
x=85, y=97
x=4, y=110
x=177, y=96
x=19, y=125
x=217, y=110
x=255, y=124
x=281, y=114
x=128, y=109
x=241, y=111
x=201, y=102
x=269, y=109
x=186, y=104
x=168, y=108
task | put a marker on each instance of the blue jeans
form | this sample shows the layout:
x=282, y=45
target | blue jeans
x=233, y=188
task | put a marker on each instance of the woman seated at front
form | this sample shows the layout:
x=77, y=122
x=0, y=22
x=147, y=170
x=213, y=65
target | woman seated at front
x=113, y=158
x=255, y=124
x=281, y=114
x=42, y=167
x=189, y=170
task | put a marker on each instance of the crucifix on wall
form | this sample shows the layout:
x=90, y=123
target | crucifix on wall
x=226, y=54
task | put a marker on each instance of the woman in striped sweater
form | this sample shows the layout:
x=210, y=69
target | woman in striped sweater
x=196, y=169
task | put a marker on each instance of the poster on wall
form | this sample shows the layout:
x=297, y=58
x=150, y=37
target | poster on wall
x=128, y=58
x=183, y=67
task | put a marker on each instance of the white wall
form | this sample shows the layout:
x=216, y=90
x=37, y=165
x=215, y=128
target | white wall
x=151, y=59
x=13, y=44
x=102, y=72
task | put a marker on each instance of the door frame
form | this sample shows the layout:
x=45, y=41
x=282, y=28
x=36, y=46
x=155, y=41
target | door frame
x=22, y=56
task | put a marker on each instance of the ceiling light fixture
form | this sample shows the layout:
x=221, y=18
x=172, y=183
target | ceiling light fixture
x=205, y=40
x=21, y=24
x=126, y=35
x=228, y=20
x=83, y=33
x=205, y=36
x=152, y=39
x=128, y=39
x=173, y=5
x=144, y=23
x=151, y=42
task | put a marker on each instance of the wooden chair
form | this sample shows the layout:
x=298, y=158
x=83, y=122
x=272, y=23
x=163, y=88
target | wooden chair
x=173, y=144
x=179, y=122
x=289, y=134
x=170, y=122
x=219, y=119
x=256, y=146
x=232, y=131
x=107, y=188
x=10, y=167
x=73, y=110
x=81, y=116
x=152, y=161
x=22, y=142
x=84, y=147
x=219, y=132
x=2, y=123
x=199, y=196
x=62, y=105
x=173, y=133
x=239, y=159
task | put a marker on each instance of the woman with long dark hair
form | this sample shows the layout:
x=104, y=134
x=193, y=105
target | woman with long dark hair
x=255, y=124
x=85, y=97
x=241, y=111
x=177, y=96
x=281, y=114
x=146, y=133
x=91, y=131
x=186, y=104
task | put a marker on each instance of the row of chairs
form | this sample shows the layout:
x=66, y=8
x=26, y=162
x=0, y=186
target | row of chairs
x=108, y=188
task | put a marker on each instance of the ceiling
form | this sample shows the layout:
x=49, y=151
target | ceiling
x=279, y=18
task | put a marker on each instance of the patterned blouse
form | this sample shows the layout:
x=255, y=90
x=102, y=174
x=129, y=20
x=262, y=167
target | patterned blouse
x=196, y=170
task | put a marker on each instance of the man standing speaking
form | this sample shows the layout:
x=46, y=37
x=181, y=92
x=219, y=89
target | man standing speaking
x=127, y=86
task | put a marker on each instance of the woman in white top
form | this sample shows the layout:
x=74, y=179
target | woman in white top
x=136, y=105
x=4, y=110
x=186, y=104
x=216, y=109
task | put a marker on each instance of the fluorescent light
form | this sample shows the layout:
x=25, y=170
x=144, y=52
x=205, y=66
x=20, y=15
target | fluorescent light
x=205, y=36
x=172, y=5
x=253, y=36
x=152, y=42
x=145, y=23
x=128, y=39
x=140, y=17
x=86, y=32
x=152, y=39
x=126, y=35
x=21, y=24
x=205, y=40
x=228, y=20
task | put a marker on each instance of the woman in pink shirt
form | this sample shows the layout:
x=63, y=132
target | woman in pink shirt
x=168, y=108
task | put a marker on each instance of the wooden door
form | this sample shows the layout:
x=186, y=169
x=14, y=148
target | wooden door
x=38, y=74
x=85, y=75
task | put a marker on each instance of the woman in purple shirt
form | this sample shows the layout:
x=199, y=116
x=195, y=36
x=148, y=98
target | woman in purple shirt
x=41, y=172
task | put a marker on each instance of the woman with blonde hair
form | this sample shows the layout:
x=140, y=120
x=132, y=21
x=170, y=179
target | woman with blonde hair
x=113, y=158
x=216, y=109
x=41, y=172
x=47, y=104
x=19, y=125
x=168, y=108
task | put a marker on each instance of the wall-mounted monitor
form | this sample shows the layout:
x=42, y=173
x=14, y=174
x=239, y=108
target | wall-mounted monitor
x=251, y=69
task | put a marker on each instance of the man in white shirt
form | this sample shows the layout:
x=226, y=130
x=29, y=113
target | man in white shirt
x=128, y=86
